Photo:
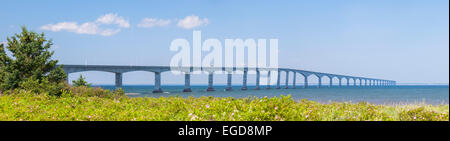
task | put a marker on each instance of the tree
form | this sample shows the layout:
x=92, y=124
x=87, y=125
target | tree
x=80, y=82
x=30, y=60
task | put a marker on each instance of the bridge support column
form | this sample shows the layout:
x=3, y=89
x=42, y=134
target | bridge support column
x=340, y=82
x=293, y=81
x=157, y=88
x=348, y=82
x=278, y=79
x=118, y=80
x=229, y=77
x=287, y=80
x=306, y=81
x=331, y=82
x=187, y=82
x=268, y=80
x=244, y=81
x=360, y=82
x=257, y=80
x=365, y=82
x=320, y=82
x=210, y=81
x=354, y=82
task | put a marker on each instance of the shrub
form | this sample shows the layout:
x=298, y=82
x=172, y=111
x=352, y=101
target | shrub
x=84, y=91
x=30, y=65
x=81, y=82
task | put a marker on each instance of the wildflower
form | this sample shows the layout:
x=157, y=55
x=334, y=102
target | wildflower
x=276, y=108
x=207, y=105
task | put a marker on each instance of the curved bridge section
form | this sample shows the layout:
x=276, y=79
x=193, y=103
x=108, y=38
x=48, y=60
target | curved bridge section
x=157, y=70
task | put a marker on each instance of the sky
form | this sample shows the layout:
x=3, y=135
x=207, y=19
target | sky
x=402, y=40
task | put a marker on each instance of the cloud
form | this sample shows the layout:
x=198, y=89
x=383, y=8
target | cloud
x=151, y=22
x=4, y=43
x=91, y=28
x=113, y=19
x=191, y=22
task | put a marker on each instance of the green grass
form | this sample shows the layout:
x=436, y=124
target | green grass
x=24, y=105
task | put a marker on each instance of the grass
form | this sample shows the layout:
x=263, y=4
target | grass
x=24, y=106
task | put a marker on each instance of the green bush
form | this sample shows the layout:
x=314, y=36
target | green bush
x=30, y=64
x=84, y=91
x=43, y=86
x=81, y=82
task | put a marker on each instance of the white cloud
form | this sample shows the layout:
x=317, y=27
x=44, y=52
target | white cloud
x=151, y=22
x=113, y=19
x=192, y=21
x=92, y=28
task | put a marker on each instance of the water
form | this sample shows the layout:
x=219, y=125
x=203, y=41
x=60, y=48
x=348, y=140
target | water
x=435, y=95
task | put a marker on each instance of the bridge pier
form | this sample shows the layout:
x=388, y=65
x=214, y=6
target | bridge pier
x=210, y=81
x=278, y=79
x=257, y=80
x=157, y=88
x=306, y=81
x=118, y=83
x=340, y=82
x=354, y=82
x=244, y=80
x=295, y=78
x=331, y=81
x=229, y=77
x=268, y=80
x=287, y=80
x=320, y=82
x=187, y=82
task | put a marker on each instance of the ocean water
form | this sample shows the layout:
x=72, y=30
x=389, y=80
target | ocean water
x=419, y=94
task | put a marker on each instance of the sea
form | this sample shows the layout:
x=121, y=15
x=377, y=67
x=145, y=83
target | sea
x=396, y=95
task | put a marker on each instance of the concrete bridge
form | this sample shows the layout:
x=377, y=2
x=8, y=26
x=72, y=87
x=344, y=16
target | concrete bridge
x=157, y=70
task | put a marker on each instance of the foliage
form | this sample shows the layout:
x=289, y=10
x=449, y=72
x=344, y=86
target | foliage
x=30, y=63
x=81, y=82
x=85, y=91
x=83, y=103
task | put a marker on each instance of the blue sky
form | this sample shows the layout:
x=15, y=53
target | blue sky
x=402, y=40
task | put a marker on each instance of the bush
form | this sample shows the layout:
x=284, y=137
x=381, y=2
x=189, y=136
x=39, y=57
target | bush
x=81, y=82
x=84, y=91
x=43, y=86
x=31, y=64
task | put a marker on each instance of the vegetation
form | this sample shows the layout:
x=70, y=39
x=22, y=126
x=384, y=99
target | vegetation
x=30, y=66
x=80, y=82
x=83, y=103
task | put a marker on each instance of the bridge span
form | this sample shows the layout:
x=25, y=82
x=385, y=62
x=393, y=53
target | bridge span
x=157, y=70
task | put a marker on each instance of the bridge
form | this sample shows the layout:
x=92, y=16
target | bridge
x=157, y=70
